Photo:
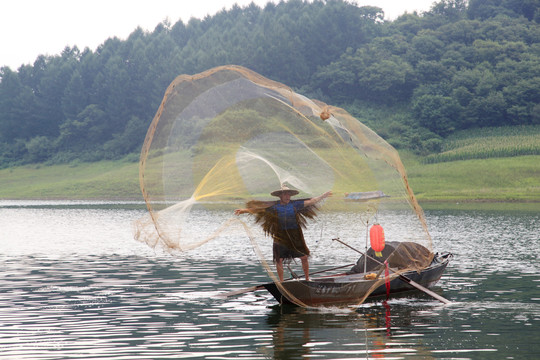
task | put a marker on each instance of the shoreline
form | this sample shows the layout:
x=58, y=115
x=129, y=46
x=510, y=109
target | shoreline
x=131, y=203
x=469, y=184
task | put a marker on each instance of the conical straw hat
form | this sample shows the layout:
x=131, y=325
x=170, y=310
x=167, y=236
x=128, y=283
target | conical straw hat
x=284, y=189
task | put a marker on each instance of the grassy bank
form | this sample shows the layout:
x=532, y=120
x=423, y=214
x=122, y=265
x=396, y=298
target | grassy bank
x=481, y=168
x=112, y=180
x=481, y=165
x=499, y=179
x=513, y=179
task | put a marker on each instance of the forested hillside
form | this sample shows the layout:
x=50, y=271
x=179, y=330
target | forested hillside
x=415, y=80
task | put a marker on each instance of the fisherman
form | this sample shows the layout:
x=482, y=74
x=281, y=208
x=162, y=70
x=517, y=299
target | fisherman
x=283, y=220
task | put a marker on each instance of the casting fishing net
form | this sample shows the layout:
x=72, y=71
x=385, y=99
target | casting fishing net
x=226, y=138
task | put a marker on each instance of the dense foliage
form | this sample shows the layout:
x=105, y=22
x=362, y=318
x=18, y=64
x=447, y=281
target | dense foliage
x=415, y=80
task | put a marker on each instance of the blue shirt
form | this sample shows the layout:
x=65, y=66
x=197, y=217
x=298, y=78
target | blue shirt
x=287, y=214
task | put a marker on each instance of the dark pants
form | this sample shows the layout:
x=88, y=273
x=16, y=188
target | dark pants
x=289, y=244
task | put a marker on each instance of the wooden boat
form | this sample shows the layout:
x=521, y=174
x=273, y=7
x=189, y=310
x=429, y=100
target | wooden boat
x=349, y=289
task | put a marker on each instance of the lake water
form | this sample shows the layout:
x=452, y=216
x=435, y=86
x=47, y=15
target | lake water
x=75, y=285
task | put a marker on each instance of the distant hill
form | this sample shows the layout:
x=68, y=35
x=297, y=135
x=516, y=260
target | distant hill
x=419, y=81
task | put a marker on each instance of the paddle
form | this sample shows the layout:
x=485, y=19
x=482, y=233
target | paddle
x=241, y=291
x=261, y=286
x=401, y=276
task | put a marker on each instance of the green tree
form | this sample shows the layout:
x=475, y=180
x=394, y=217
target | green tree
x=18, y=115
x=523, y=100
x=488, y=110
x=75, y=96
x=392, y=79
x=450, y=9
x=39, y=149
x=87, y=131
x=440, y=114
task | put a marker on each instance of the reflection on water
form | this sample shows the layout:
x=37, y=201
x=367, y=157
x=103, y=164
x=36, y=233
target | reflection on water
x=74, y=284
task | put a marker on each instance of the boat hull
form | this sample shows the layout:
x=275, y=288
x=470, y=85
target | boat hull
x=350, y=289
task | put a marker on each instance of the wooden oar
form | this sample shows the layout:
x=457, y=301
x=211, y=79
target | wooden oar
x=241, y=291
x=261, y=286
x=401, y=276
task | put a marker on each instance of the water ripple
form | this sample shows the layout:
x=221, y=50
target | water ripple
x=86, y=289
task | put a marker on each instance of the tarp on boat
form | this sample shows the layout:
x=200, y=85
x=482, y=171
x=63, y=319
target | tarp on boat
x=400, y=255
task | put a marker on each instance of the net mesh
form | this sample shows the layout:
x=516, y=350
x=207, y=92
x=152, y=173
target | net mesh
x=228, y=136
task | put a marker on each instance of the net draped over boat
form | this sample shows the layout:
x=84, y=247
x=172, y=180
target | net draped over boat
x=228, y=136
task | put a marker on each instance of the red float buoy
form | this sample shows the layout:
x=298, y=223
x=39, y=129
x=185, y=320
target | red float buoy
x=376, y=237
